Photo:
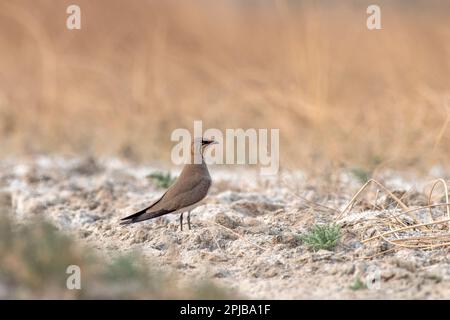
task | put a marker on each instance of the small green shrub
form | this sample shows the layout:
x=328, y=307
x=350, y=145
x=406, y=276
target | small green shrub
x=161, y=179
x=362, y=175
x=322, y=236
x=365, y=174
x=358, y=284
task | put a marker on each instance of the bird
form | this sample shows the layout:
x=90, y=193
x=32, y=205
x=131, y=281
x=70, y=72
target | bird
x=186, y=193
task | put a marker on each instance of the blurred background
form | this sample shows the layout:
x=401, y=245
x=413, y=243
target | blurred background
x=139, y=69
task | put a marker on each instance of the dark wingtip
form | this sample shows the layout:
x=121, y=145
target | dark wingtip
x=125, y=222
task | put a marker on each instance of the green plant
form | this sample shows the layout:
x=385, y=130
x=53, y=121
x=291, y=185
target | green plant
x=161, y=179
x=322, y=236
x=358, y=284
x=362, y=175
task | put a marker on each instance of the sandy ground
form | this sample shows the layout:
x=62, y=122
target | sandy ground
x=244, y=237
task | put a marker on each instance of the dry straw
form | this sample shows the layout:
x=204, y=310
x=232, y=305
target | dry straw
x=405, y=229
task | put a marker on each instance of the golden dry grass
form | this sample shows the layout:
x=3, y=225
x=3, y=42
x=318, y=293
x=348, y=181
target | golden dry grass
x=139, y=69
x=428, y=232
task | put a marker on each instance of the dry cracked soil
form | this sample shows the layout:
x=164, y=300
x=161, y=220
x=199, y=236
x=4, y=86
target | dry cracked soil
x=246, y=235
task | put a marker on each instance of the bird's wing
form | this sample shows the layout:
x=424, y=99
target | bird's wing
x=186, y=194
x=143, y=215
x=134, y=215
x=176, y=197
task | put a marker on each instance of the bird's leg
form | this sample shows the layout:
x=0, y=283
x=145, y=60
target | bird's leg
x=189, y=220
x=181, y=221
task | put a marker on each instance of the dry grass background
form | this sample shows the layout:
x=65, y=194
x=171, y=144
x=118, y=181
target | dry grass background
x=139, y=69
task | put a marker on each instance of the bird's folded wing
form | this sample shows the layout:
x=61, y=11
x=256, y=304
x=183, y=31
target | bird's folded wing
x=134, y=215
x=182, y=197
x=177, y=197
x=141, y=216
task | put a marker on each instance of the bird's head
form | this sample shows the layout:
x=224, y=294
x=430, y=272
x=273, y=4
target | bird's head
x=200, y=145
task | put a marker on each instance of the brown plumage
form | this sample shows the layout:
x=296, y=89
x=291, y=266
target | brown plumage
x=188, y=190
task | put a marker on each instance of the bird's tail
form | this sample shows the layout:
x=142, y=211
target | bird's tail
x=126, y=222
x=143, y=215
x=129, y=219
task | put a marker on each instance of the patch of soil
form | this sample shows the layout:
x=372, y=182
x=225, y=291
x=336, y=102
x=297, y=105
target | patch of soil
x=245, y=236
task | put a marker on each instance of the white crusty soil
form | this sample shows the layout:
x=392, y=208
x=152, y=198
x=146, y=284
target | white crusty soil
x=245, y=237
